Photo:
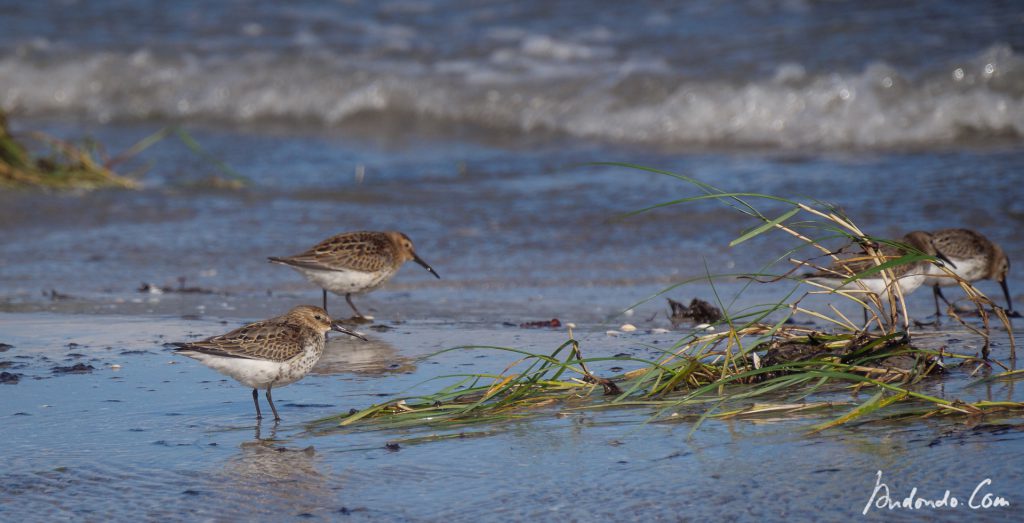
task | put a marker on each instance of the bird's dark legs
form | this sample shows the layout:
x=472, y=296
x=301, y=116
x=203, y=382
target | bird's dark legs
x=325, y=299
x=937, y=292
x=272, y=407
x=348, y=298
x=256, y=401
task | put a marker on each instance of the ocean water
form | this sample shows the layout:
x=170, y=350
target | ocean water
x=786, y=73
x=471, y=126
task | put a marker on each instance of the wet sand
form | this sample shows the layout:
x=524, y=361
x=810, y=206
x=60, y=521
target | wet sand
x=164, y=437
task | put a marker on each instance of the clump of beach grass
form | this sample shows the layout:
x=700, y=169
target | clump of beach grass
x=67, y=165
x=757, y=363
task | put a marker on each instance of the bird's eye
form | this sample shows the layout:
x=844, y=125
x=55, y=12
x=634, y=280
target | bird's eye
x=318, y=317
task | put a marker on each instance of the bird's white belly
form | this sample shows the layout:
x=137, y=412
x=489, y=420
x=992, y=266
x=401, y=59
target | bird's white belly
x=346, y=281
x=908, y=283
x=260, y=374
x=970, y=269
x=257, y=374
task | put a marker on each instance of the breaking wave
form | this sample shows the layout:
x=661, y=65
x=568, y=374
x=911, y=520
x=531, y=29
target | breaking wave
x=539, y=85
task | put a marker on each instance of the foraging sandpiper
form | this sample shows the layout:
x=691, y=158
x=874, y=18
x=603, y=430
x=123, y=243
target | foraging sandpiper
x=972, y=257
x=354, y=262
x=909, y=275
x=269, y=353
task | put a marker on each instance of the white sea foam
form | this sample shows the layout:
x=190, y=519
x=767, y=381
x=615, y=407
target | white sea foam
x=534, y=83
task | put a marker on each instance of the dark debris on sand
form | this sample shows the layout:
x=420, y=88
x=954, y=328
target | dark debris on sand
x=78, y=368
x=4, y=347
x=166, y=289
x=9, y=378
x=699, y=311
x=553, y=323
x=54, y=295
x=609, y=386
x=863, y=351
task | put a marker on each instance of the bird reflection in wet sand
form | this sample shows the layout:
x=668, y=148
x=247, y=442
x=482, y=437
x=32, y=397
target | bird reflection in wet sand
x=266, y=475
x=373, y=358
x=269, y=353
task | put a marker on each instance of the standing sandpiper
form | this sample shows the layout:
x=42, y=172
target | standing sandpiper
x=269, y=353
x=973, y=257
x=354, y=262
x=909, y=275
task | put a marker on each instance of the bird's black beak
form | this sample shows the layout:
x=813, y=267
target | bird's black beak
x=1009, y=304
x=416, y=258
x=945, y=260
x=343, y=330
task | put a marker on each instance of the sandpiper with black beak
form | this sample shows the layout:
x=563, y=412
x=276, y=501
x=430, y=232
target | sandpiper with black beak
x=269, y=353
x=354, y=262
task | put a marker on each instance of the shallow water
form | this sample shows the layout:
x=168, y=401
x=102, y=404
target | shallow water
x=516, y=233
x=470, y=126
x=162, y=436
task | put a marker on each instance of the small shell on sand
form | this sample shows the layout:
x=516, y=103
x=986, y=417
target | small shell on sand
x=629, y=327
x=115, y=367
x=704, y=327
x=612, y=333
x=659, y=330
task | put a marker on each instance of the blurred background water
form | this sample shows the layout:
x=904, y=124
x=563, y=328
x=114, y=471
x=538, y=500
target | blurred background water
x=786, y=73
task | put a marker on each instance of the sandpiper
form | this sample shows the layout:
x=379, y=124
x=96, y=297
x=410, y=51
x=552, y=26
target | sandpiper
x=973, y=257
x=909, y=275
x=269, y=353
x=354, y=262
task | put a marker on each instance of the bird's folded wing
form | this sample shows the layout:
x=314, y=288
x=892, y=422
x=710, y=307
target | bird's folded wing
x=359, y=251
x=261, y=340
x=960, y=243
